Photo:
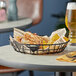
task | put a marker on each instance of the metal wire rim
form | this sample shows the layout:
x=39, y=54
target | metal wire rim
x=57, y=48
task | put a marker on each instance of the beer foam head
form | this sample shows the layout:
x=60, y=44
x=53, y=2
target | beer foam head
x=71, y=6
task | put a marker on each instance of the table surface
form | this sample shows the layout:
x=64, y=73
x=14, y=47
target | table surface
x=9, y=57
x=9, y=25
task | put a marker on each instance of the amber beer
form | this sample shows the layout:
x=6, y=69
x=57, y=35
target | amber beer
x=70, y=20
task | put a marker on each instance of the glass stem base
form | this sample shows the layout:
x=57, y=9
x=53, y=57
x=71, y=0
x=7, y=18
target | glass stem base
x=72, y=37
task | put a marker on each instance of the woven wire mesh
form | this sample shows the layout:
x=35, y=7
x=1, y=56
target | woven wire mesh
x=37, y=49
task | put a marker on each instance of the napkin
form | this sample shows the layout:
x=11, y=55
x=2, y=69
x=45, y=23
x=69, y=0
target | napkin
x=69, y=57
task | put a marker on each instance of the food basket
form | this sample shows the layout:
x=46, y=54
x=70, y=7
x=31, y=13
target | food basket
x=37, y=49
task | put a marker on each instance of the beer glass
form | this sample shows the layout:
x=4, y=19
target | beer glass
x=70, y=21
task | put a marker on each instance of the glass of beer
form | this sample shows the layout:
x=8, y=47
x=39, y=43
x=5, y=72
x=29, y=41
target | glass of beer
x=70, y=21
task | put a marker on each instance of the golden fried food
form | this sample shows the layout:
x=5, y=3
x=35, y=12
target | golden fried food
x=53, y=38
x=32, y=38
x=28, y=37
x=65, y=38
x=67, y=57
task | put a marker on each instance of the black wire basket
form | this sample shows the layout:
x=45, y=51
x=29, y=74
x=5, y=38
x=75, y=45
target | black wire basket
x=38, y=49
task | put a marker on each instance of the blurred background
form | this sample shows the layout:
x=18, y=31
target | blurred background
x=53, y=18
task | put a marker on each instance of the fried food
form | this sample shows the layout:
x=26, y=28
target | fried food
x=69, y=57
x=60, y=32
x=28, y=37
x=45, y=41
x=65, y=38
x=53, y=38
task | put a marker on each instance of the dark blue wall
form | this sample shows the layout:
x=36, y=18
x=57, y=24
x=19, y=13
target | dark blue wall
x=48, y=23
